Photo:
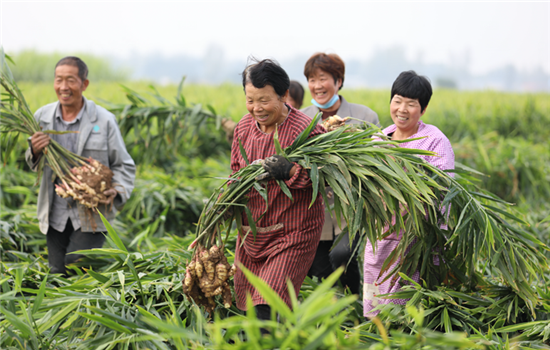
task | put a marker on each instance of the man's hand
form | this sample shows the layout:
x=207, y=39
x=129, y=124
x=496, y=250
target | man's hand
x=109, y=194
x=278, y=168
x=39, y=141
x=229, y=127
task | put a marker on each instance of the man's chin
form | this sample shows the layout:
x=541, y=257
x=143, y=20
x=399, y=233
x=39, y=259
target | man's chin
x=67, y=103
x=64, y=102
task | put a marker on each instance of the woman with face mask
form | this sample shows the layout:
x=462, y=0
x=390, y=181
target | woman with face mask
x=325, y=75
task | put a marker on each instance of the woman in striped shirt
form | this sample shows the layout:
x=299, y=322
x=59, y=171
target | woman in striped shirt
x=288, y=232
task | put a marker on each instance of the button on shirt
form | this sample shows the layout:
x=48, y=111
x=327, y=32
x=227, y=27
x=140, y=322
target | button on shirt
x=65, y=208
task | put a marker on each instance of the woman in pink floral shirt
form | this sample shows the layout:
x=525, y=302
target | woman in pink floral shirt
x=410, y=95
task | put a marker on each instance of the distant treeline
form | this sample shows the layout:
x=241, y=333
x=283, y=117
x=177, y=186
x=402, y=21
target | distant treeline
x=33, y=66
x=377, y=71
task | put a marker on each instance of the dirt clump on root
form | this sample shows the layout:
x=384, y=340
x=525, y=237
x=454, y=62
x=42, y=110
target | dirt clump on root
x=207, y=276
x=86, y=184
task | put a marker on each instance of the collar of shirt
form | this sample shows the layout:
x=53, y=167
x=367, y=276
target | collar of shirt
x=391, y=129
x=59, y=115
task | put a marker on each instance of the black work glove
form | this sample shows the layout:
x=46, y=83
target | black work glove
x=278, y=167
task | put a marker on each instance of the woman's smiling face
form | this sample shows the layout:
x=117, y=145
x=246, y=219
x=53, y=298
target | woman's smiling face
x=322, y=86
x=405, y=113
x=265, y=106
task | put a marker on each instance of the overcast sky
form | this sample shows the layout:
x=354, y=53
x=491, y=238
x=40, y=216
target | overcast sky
x=483, y=36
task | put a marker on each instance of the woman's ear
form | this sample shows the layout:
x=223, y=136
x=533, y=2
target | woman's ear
x=339, y=84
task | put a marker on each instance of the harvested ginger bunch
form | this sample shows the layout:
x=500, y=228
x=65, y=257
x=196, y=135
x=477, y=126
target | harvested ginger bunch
x=207, y=276
x=334, y=122
x=86, y=183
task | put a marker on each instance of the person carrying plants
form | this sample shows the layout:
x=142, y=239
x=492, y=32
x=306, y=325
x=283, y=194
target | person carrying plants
x=93, y=132
x=410, y=95
x=288, y=231
x=325, y=75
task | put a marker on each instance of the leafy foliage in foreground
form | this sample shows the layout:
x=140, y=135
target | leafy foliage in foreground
x=98, y=309
x=133, y=300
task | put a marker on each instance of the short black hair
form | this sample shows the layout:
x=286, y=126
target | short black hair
x=296, y=91
x=266, y=72
x=75, y=62
x=411, y=85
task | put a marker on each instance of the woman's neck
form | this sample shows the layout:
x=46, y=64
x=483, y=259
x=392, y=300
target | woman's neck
x=333, y=108
x=403, y=135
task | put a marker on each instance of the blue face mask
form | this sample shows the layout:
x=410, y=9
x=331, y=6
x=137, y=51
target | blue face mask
x=328, y=104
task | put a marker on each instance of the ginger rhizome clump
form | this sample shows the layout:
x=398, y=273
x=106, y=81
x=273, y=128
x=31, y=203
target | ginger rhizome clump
x=86, y=184
x=334, y=122
x=207, y=276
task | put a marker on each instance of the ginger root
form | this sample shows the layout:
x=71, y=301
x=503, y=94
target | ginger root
x=334, y=122
x=86, y=184
x=207, y=276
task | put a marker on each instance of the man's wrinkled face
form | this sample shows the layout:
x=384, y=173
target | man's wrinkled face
x=68, y=86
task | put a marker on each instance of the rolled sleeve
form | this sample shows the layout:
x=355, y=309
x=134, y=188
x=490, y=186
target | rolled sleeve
x=300, y=179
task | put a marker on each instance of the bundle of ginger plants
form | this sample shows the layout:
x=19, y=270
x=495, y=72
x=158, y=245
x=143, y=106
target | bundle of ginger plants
x=380, y=188
x=82, y=179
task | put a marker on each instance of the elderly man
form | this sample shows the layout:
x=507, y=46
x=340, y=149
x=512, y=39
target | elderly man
x=68, y=225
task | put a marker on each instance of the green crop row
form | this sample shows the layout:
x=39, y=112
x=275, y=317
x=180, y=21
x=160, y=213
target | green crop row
x=131, y=298
x=457, y=113
x=503, y=135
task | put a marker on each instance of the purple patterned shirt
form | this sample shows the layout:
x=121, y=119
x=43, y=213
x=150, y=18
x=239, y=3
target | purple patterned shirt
x=437, y=142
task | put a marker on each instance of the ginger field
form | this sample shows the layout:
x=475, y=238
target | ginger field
x=131, y=295
x=503, y=135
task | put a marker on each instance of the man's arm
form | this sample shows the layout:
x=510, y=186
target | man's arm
x=121, y=164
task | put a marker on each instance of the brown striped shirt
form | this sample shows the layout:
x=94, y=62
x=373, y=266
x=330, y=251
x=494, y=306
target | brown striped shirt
x=289, y=232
